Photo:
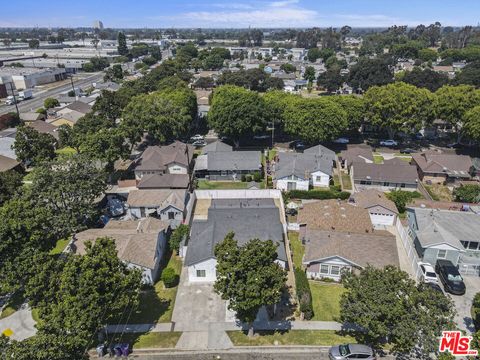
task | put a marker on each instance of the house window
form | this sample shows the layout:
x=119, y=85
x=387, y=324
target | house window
x=171, y=215
x=335, y=270
x=201, y=273
x=318, y=179
x=473, y=245
x=386, y=183
x=323, y=269
x=402, y=185
x=442, y=254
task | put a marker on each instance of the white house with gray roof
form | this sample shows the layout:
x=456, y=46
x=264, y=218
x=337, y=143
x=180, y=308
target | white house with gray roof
x=299, y=171
x=446, y=234
x=247, y=218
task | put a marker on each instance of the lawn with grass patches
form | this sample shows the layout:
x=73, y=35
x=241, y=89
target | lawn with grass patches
x=13, y=304
x=292, y=337
x=156, y=305
x=378, y=159
x=439, y=192
x=60, y=246
x=336, y=180
x=35, y=315
x=297, y=248
x=150, y=340
x=347, y=182
x=326, y=301
x=212, y=185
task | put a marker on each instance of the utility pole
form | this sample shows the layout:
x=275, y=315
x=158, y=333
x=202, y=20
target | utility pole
x=73, y=87
x=14, y=99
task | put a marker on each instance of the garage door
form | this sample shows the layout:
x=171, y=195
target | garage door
x=382, y=219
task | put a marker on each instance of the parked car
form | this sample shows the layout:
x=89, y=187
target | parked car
x=261, y=137
x=434, y=286
x=115, y=207
x=388, y=143
x=428, y=273
x=450, y=277
x=199, y=143
x=290, y=211
x=341, y=140
x=297, y=145
x=408, y=151
x=197, y=137
x=351, y=351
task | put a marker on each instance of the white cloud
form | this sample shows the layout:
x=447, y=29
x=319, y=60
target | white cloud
x=283, y=3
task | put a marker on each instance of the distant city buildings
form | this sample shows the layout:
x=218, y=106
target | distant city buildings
x=97, y=24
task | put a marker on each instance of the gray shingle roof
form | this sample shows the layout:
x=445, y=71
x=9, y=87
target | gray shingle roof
x=235, y=160
x=302, y=165
x=393, y=173
x=248, y=219
x=158, y=157
x=164, y=181
x=216, y=146
x=446, y=226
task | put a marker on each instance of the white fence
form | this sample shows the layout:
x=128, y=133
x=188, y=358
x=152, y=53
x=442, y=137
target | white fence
x=293, y=227
x=409, y=250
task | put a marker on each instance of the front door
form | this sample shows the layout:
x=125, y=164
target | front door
x=291, y=185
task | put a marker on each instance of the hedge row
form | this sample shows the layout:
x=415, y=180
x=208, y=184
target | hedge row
x=475, y=311
x=318, y=194
x=304, y=294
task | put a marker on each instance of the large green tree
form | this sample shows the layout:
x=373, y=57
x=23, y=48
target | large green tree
x=70, y=187
x=10, y=183
x=122, y=44
x=248, y=277
x=399, y=107
x=471, y=123
x=391, y=309
x=33, y=146
x=453, y=102
x=314, y=119
x=354, y=106
x=236, y=112
x=425, y=78
x=370, y=72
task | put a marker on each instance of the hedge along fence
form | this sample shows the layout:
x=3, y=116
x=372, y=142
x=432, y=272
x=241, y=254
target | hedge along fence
x=304, y=293
x=475, y=311
x=318, y=194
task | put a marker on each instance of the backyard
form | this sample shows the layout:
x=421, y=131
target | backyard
x=439, y=192
x=292, y=337
x=212, y=185
x=297, y=249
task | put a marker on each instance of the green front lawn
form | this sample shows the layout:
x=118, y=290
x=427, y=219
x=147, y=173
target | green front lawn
x=297, y=248
x=292, y=337
x=13, y=304
x=156, y=305
x=148, y=340
x=326, y=300
x=212, y=185
x=60, y=246
x=66, y=151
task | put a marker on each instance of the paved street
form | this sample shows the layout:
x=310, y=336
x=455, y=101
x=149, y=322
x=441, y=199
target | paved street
x=41, y=95
x=20, y=323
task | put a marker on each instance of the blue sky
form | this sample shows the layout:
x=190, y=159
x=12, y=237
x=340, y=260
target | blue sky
x=237, y=13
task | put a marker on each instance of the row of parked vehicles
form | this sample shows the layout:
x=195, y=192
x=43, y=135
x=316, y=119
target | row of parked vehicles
x=447, y=273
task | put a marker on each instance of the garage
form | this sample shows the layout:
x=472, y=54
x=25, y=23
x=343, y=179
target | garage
x=382, y=218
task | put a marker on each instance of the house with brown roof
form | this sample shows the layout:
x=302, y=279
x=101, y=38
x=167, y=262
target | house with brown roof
x=166, y=204
x=7, y=164
x=161, y=167
x=140, y=244
x=391, y=175
x=440, y=168
x=329, y=253
x=355, y=153
x=339, y=236
x=44, y=128
x=383, y=211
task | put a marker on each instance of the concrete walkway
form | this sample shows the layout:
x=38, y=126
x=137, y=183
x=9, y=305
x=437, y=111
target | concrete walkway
x=20, y=323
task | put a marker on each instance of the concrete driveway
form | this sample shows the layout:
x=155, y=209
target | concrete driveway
x=464, y=303
x=20, y=323
x=198, y=311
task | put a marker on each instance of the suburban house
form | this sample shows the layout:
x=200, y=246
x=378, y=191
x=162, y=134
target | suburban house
x=44, y=128
x=391, y=175
x=438, y=168
x=219, y=162
x=161, y=167
x=6, y=147
x=299, y=171
x=70, y=114
x=446, y=234
x=329, y=253
x=7, y=164
x=140, y=243
x=30, y=116
x=247, y=218
x=382, y=210
x=165, y=204
x=355, y=154
x=340, y=236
